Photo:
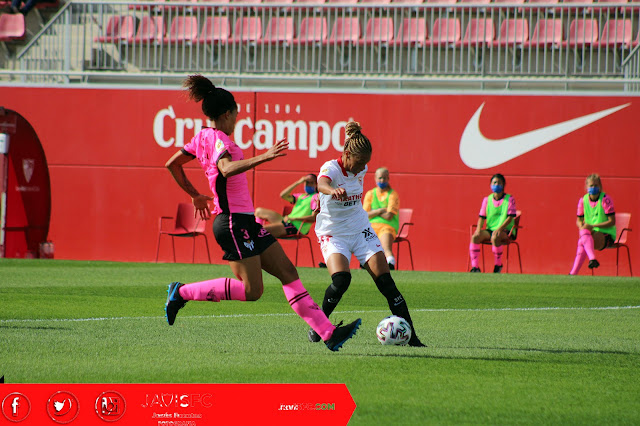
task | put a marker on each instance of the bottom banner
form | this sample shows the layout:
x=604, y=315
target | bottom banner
x=175, y=404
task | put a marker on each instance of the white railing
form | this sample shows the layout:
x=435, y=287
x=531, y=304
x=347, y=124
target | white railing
x=508, y=44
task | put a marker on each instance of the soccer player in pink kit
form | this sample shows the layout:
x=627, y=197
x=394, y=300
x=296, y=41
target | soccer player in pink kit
x=247, y=246
x=498, y=210
x=596, y=224
x=343, y=229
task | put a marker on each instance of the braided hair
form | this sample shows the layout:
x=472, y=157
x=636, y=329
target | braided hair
x=356, y=143
x=215, y=100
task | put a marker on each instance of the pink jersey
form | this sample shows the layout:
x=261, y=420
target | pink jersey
x=607, y=205
x=511, y=208
x=231, y=195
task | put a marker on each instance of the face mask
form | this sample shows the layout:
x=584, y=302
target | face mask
x=497, y=188
x=309, y=189
x=594, y=190
x=382, y=185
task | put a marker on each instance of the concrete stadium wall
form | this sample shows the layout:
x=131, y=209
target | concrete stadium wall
x=106, y=150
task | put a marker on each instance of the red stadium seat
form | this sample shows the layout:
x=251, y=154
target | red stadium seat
x=378, y=31
x=622, y=225
x=582, y=32
x=216, y=29
x=446, y=31
x=313, y=30
x=247, y=30
x=345, y=30
x=12, y=27
x=616, y=33
x=547, y=33
x=119, y=29
x=280, y=30
x=184, y=224
x=513, y=32
x=413, y=32
x=151, y=30
x=297, y=237
x=480, y=31
x=404, y=223
x=184, y=29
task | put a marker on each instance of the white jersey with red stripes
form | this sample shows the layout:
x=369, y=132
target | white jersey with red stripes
x=341, y=217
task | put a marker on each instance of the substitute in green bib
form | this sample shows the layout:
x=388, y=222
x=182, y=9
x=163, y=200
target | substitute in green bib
x=497, y=211
x=303, y=214
x=382, y=205
x=596, y=223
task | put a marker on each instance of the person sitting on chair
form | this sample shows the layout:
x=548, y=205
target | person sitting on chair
x=498, y=211
x=382, y=205
x=596, y=223
x=302, y=215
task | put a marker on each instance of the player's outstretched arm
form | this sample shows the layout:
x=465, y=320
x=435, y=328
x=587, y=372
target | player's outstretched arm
x=230, y=168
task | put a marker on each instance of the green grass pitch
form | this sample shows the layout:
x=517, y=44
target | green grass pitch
x=502, y=349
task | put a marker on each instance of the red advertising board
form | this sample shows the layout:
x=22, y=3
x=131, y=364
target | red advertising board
x=106, y=150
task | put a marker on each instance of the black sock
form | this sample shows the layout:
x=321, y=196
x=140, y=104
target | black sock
x=397, y=304
x=340, y=282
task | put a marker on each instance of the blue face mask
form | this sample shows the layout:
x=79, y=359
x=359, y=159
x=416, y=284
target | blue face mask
x=594, y=190
x=309, y=189
x=497, y=188
x=382, y=185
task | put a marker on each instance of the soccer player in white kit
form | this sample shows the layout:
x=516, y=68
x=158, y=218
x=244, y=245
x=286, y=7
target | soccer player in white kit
x=343, y=229
x=247, y=246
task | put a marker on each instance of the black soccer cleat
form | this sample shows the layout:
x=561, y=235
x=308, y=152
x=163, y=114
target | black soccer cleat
x=593, y=264
x=415, y=342
x=313, y=336
x=175, y=302
x=497, y=269
x=475, y=269
x=341, y=334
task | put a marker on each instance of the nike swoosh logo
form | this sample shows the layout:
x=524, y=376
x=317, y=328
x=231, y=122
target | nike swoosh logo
x=479, y=152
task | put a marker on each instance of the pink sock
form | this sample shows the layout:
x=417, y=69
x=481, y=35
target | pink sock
x=497, y=254
x=474, y=253
x=580, y=258
x=586, y=239
x=214, y=290
x=307, y=309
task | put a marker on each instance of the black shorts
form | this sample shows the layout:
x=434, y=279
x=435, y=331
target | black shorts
x=240, y=236
x=290, y=228
x=608, y=241
x=512, y=237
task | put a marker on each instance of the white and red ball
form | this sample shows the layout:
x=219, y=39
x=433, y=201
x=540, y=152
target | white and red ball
x=393, y=330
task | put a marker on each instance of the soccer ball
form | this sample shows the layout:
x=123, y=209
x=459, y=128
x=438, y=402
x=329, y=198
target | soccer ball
x=393, y=330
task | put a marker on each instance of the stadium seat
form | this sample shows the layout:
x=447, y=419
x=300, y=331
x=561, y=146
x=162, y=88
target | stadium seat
x=573, y=8
x=413, y=32
x=184, y=224
x=480, y=31
x=311, y=2
x=12, y=27
x=404, y=223
x=446, y=31
x=622, y=226
x=407, y=1
x=547, y=33
x=280, y=30
x=247, y=30
x=297, y=237
x=151, y=30
x=441, y=1
x=119, y=29
x=313, y=30
x=582, y=32
x=510, y=242
x=184, y=29
x=345, y=30
x=216, y=29
x=343, y=1
x=513, y=32
x=379, y=31
x=616, y=33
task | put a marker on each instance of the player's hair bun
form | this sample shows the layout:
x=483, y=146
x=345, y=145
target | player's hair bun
x=352, y=128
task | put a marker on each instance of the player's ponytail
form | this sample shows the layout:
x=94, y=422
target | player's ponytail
x=356, y=142
x=215, y=100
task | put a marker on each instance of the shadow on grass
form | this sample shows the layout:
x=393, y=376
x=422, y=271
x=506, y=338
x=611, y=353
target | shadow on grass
x=33, y=327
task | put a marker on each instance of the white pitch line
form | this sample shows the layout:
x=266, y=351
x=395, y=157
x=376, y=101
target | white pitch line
x=548, y=308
